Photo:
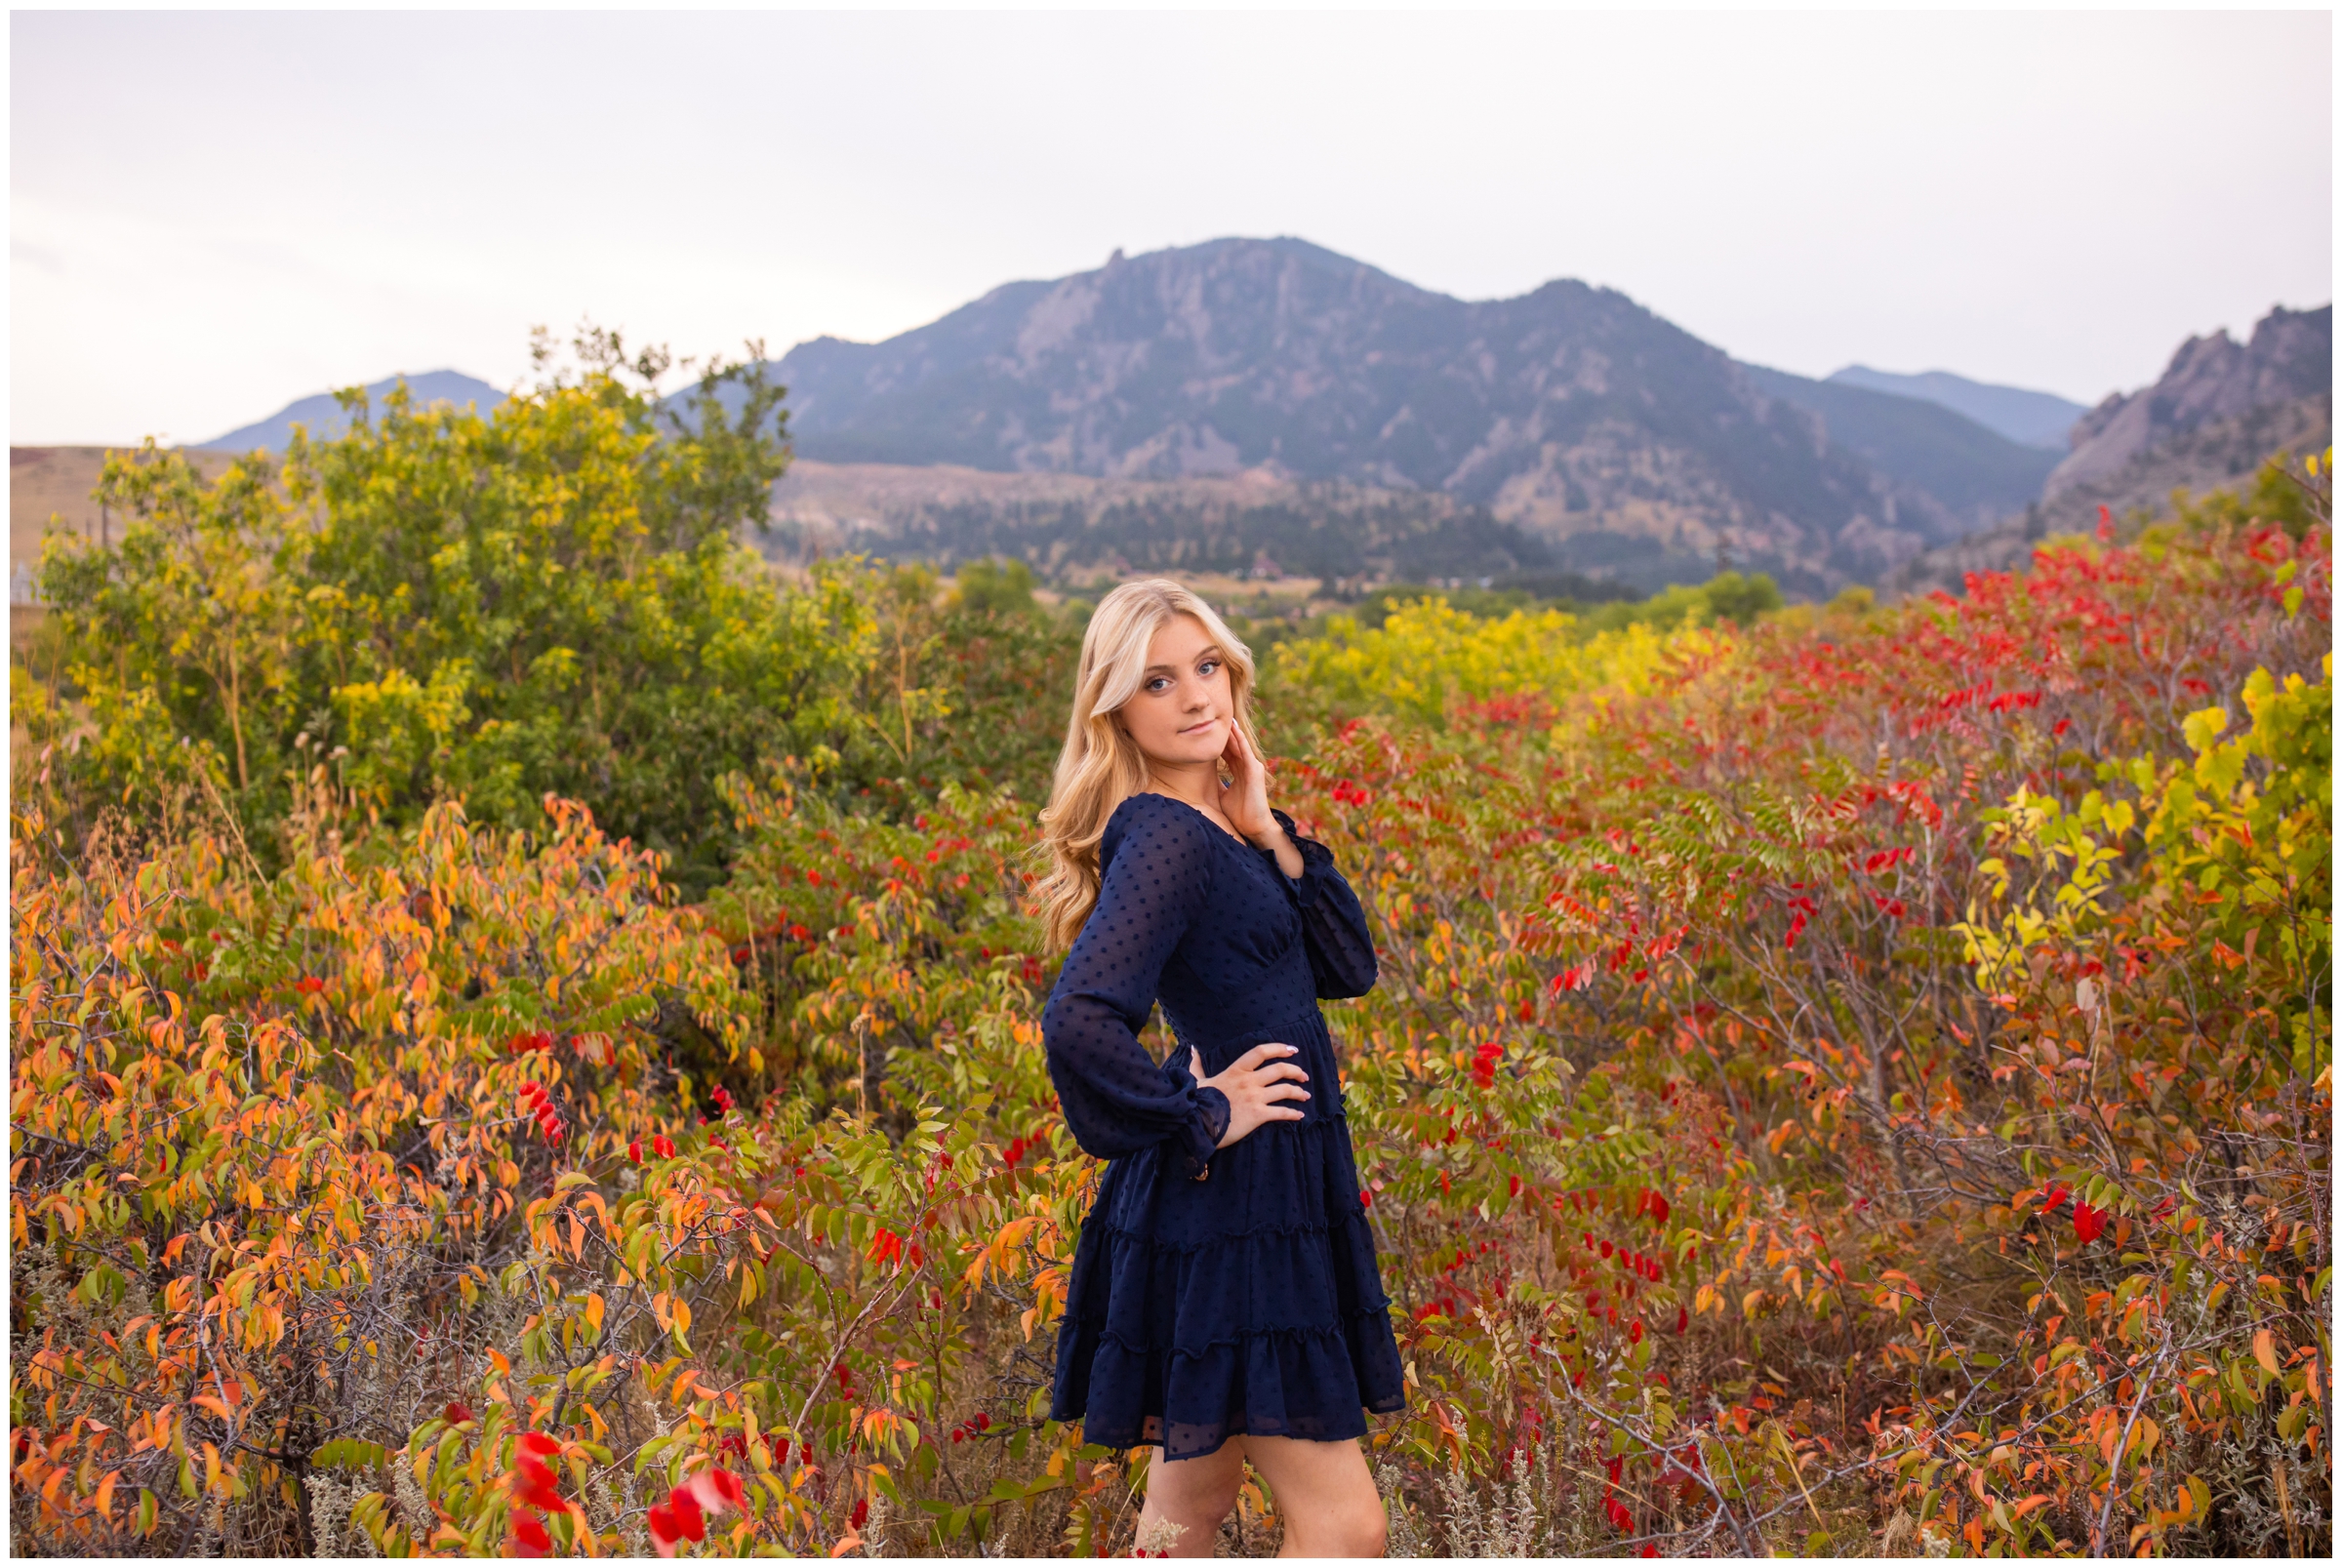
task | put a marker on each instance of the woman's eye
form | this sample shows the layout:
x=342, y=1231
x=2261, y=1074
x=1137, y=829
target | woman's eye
x=1161, y=683
x=1206, y=668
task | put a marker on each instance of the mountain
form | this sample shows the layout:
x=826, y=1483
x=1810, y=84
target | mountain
x=2220, y=410
x=323, y=414
x=2291, y=355
x=1977, y=472
x=2028, y=419
x=1625, y=444
x=2224, y=455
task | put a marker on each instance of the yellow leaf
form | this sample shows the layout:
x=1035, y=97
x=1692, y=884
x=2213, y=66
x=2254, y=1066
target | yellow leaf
x=594, y=1309
x=2264, y=1350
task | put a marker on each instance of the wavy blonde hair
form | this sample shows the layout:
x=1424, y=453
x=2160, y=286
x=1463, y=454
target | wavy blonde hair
x=1101, y=766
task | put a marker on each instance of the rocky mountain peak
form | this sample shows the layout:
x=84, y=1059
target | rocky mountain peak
x=2289, y=355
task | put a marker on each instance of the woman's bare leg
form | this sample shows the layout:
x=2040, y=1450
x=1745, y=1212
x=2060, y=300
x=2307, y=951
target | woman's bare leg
x=1195, y=1494
x=1323, y=1494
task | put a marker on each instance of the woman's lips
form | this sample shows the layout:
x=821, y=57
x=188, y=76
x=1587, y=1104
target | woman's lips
x=1199, y=729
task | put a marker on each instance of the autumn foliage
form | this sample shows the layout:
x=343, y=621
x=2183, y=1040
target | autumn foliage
x=1855, y=1082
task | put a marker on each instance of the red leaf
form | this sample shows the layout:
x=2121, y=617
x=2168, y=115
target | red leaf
x=686, y=1509
x=528, y=1531
x=533, y=1484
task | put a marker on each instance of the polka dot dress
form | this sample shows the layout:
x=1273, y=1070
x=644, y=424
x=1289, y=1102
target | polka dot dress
x=1249, y=1301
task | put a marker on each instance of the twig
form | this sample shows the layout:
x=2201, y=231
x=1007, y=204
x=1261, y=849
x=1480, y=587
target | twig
x=2113, y=1471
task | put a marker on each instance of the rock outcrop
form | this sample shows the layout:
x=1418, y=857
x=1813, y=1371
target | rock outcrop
x=2290, y=356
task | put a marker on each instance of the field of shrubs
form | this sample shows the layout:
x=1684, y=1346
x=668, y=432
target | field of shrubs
x=525, y=1035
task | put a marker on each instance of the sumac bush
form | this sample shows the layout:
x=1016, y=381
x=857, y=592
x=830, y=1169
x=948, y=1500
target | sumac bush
x=1856, y=1081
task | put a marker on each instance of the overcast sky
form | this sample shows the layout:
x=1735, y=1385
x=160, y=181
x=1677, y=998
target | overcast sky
x=214, y=214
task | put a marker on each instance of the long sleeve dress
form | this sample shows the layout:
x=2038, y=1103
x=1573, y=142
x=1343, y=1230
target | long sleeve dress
x=1249, y=1301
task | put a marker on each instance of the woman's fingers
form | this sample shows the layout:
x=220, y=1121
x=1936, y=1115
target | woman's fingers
x=1260, y=1053
x=1262, y=1085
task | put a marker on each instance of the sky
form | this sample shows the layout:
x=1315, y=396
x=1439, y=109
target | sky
x=214, y=214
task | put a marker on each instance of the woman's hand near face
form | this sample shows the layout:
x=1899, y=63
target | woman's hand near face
x=1244, y=798
x=1257, y=1084
x=1244, y=802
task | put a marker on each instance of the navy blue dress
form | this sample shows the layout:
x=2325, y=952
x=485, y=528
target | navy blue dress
x=1247, y=1301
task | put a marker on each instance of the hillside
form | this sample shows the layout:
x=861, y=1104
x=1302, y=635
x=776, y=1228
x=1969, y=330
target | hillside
x=2219, y=411
x=1977, y=474
x=54, y=485
x=1074, y=525
x=2221, y=455
x=1572, y=413
x=2027, y=418
x=323, y=414
x=2291, y=355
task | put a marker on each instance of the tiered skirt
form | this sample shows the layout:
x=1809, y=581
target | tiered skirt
x=1246, y=1304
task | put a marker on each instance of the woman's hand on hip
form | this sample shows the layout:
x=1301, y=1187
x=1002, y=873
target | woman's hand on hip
x=1258, y=1085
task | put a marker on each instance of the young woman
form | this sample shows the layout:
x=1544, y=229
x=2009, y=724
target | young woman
x=1225, y=1304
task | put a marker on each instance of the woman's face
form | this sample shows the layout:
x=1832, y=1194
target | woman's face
x=1184, y=704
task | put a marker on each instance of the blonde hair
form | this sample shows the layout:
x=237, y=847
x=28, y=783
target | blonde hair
x=1102, y=766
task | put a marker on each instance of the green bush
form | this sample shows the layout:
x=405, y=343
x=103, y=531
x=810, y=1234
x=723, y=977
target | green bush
x=554, y=598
